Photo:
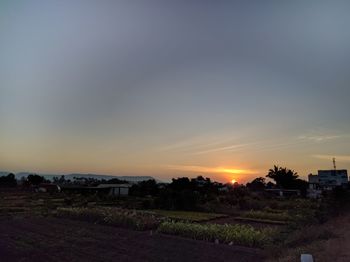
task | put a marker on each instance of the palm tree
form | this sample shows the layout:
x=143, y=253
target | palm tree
x=282, y=176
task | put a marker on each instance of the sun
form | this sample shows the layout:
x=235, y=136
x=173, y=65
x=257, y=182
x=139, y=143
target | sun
x=233, y=181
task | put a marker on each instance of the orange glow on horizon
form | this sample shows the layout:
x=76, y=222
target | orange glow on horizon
x=233, y=181
x=230, y=171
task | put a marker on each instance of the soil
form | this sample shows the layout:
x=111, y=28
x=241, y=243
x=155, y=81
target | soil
x=55, y=239
x=336, y=249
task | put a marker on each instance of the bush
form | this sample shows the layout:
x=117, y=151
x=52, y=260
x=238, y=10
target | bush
x=237, y=234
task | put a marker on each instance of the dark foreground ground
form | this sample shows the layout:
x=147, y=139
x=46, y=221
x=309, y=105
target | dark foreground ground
x=53, y=239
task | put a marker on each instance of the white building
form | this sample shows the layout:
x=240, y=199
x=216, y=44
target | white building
x=333, y=178
x=326, y=180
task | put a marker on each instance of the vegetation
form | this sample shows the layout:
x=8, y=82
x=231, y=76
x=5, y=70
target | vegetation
x=8, y=181
x=187, y=215
x=35, y=179
x=267, y=215
x=287, y=179
x=258, y=184
x=230, y=234
x=112, y=216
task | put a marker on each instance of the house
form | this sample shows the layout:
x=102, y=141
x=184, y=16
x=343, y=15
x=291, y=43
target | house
x=101, y=189
x=329, y=179
x=326, y=180
x=115, y=189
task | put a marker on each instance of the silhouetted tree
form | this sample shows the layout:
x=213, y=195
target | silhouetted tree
x=258, y=184
x=144, y=188
x=8, y=181
x=35, y=179
x=283, y=177
x=181, y=183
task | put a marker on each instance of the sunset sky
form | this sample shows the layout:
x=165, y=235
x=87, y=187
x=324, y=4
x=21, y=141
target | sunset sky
x=174, y=88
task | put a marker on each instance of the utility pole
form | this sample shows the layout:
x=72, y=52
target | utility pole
x=334, y=166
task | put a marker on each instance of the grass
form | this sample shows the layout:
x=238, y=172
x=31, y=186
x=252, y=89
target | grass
x=187, y=215
x=244, y=235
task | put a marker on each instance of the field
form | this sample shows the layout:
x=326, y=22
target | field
x=59, y=227
x=34, y=227
x=57, y=239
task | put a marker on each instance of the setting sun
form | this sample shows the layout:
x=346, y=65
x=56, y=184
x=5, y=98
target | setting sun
x=233, y=181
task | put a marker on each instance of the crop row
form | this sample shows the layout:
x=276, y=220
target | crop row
x=189, y=216
x=267, y=215
x=234, y=234
x=112, y=216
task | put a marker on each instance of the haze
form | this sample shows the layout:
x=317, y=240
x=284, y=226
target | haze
x=224, y=90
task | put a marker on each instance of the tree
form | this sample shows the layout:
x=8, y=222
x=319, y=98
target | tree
x=283, y=177
x=181, y=183
x=145, y=188
x=35, y=179
x=258, y=184
x=8, y=181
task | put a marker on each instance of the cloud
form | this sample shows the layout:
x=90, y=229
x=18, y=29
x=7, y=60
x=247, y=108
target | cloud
x=319, y=138
x=341, y=158
x=213, y=170
x=225, y=148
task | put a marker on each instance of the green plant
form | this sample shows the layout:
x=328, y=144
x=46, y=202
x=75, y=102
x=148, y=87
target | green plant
x=187, y=215
x=237, y=234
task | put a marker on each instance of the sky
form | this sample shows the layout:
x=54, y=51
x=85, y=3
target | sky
x=223, y=89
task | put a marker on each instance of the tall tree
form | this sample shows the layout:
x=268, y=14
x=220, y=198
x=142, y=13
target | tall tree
x=283, y=177
x=258, y=184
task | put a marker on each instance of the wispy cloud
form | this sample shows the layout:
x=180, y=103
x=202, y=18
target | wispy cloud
x=213, y=170
x=190, y=144
x=319, y=138
x=341, y=158
x=230, y=148
x=204, y=145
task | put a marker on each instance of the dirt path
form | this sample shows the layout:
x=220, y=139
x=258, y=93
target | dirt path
x=52, y=239
x=336, y=249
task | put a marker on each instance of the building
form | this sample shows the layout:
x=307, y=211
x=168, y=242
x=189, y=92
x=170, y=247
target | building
x=115, y=189
x=327, y=180
x=101, y=189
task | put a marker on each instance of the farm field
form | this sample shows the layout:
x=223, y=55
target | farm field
x=57, y=239
x=60, y=227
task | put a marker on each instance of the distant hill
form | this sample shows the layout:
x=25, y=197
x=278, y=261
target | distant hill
x=131, y=179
